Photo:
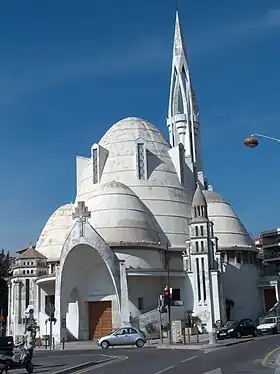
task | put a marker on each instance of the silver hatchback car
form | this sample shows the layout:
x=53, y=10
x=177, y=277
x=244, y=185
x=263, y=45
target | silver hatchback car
x=123, y=336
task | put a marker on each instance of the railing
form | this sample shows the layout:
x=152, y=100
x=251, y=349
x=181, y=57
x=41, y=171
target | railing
x=274, y=311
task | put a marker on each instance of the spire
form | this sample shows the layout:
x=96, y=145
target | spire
x=178, y=45
x=198, y=198
x=183, y=116
x=199, y=206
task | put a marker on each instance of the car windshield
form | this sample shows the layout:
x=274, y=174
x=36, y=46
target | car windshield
x=270, y=320
x=231, y=323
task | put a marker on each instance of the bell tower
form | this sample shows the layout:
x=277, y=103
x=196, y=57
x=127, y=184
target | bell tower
x=183, y=114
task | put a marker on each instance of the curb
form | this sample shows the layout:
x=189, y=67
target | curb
x=202, y=346
x=85, y=365
x=270, y=359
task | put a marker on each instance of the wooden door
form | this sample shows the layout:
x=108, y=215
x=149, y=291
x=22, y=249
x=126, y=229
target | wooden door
x=269, y=298
x=99, y=318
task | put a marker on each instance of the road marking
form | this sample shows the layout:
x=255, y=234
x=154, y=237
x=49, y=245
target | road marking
x=163, y=370
x=188, y=359
x=109, y=362
x=267, y=357
x=215, y=371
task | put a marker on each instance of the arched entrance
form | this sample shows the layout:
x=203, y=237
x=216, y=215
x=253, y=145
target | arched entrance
x=89, y=303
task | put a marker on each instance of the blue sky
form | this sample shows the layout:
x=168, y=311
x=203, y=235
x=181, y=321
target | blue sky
x=69, y=70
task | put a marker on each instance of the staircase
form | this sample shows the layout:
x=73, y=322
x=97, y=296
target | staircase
x=274, y=311
x=70, y=337
x=149, y=322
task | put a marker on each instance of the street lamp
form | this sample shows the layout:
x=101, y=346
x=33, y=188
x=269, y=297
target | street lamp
x=252, y=141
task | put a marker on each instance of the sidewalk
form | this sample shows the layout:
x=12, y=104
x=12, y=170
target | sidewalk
x=205, y=345
x=155, y=343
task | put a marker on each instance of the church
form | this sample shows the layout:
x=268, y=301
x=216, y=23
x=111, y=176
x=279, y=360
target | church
x=143, y=212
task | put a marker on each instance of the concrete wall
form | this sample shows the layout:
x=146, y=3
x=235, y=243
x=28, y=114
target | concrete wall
x=240, y=284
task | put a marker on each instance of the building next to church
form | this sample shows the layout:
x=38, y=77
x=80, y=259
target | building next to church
x=142, y=207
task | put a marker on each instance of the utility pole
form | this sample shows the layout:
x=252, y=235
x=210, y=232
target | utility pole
x=168, y=287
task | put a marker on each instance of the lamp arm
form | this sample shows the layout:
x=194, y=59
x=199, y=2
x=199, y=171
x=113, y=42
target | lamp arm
x=265, y=137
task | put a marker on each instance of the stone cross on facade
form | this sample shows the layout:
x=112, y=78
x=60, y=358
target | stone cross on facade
x=81, y=215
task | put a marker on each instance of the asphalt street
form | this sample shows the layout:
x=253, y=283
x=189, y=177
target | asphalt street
x=241, y=358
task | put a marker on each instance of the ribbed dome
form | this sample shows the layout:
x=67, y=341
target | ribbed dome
x=55, y=232
x=227, y=226
x=120, y=217
x=161, y=192
x=131, y=129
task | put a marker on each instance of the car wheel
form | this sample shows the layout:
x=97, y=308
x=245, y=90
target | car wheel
x=274, y=331
x=105, y=344
x=255, y=333
x=238, y=335
x=140, y=343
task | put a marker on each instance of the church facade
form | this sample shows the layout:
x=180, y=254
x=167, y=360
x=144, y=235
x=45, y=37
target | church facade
x=143, y=211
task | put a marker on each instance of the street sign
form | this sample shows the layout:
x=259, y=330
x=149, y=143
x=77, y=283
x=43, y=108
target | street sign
x=176, y=303
x=273, y=283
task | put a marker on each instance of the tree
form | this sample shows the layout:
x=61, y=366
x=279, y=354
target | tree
x=6, y=262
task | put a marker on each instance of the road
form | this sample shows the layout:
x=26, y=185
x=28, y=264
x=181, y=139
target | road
x=241, y=358
x=237, y=359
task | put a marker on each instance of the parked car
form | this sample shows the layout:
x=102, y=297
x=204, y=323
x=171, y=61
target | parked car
x=123, y=336
x=270, y=325
x=237, y=329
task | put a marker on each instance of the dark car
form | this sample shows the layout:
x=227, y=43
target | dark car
x=237, y=329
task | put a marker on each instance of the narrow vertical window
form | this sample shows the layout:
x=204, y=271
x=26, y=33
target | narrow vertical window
x=27, y=292
x=182, y=162
x=196, y=247
x=203, y=279
x=198, y=280
x=202, y=246
x=201, y=231
x=95, y=166
x=140, y=302
x=141, y=160
x=196, y=231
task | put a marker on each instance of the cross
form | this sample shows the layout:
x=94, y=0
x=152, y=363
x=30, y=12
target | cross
x=81, y=215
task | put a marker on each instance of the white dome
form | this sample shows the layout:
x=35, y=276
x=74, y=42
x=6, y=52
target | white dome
x=227, y=226
x=55, y=232
x=119, y=216
x=161, y=192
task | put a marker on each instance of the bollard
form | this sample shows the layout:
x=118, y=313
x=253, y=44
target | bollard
x=63, y=343
x=53, y=343
x=46, y=343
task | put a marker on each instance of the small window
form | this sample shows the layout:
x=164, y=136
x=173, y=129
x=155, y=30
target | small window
x=28, y=263
x=141, y=160
x=201, y=231
x=140, y=301
x=238, y=257
x=202, y=246
x=31, y=271
x=27, y=271
x=196, y=247
x=95, y=166
x=23, y=271
x=196, y=231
